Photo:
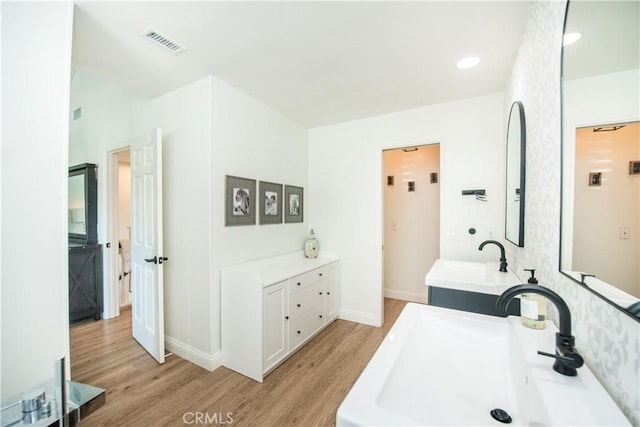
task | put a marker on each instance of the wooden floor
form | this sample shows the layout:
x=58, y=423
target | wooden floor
x=306, y=390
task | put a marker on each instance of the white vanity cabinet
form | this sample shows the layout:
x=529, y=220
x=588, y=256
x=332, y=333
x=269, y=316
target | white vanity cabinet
x=271, y=307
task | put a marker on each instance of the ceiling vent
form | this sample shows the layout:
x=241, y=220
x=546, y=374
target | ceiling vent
x=162, y=40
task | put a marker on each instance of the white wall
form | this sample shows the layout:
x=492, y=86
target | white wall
x=345, y=181
x=251, y=140
x=36, y=58
x=124, y=200
x=608, y=339
x=185, y=118
x=411, y=221
x=600, y=211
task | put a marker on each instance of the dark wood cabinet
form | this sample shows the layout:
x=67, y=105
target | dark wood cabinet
x=85, y=282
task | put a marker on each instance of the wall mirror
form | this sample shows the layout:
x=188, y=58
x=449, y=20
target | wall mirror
x=515, y=190
x=83, y=206
x=600, y=223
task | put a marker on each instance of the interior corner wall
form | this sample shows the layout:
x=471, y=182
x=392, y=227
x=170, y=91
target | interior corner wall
x=345, y=176
x=34, y=264
x=251, y=140
x=608, y=339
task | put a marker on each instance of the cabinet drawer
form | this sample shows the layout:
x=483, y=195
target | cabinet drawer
x=302, y=281
x=305, y=326
x=302, y=301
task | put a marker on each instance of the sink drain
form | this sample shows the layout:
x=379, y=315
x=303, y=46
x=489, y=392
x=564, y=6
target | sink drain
x=501, y=415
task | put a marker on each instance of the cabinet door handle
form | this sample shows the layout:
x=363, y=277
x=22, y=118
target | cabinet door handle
x=328, y=293
x=298, y=332
x=319, y=274
x=286, y=317
x=320, y=316
x=320, y=293
x=298, y=305
x=298, y=283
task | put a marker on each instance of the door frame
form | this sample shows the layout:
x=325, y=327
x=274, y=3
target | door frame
x=112, y=270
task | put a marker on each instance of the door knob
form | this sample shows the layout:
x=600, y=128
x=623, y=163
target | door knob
x=153, y=260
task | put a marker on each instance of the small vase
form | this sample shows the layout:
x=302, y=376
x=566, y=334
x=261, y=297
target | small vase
x=311, y=246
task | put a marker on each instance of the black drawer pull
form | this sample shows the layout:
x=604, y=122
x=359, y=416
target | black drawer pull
x=319, y=274
x=298, y=305
x=286, y=317
x=298, y=332
x=320, y=316
x=298, y=283
x=320, y=293
x=328, y=293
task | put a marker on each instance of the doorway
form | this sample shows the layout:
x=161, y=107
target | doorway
x=120, y=204
x=411, y=219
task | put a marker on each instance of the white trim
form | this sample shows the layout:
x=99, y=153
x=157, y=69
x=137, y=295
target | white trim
x=359, y=317
x=193, y=355
x=418, y=297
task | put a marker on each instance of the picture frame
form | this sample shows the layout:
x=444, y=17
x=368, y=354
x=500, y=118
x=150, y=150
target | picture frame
x=634, y=167
x=240, y=201
x=270, y=211
x=595, y=179
x=293, y=204
x=433, y=177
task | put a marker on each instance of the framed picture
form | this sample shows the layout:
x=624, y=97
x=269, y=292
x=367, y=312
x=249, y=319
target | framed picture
x=390, y=179
x=412, y=186
x=634, y=167
x=240, y=206
x=270, y=203
x=433, y=177
x=595, y=179
x=293, y=204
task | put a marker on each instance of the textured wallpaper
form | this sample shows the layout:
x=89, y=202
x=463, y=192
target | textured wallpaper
x=608, y=339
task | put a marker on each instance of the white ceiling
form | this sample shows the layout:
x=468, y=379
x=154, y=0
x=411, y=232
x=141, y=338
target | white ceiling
x=318, y=63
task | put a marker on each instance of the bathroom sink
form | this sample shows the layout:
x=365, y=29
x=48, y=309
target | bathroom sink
x=482, y=277
x=438, y=366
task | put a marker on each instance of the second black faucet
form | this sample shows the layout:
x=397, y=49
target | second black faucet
x=503, y=257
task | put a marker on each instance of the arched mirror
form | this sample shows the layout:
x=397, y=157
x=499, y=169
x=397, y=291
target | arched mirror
x=516, y=152
x=600, y=224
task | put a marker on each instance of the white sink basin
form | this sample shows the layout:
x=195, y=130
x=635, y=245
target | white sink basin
x=484, y=277
x=445, y=367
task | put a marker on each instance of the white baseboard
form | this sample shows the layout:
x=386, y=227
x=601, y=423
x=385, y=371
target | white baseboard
x=406, y=295
x=359, y=317
x=193, y=355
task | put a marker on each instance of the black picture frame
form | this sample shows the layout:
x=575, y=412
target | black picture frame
x=595, y=179
x=240, y=201
x=293, y=204
x=270, y=211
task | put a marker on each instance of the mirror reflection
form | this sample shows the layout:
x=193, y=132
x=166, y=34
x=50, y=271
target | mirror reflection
x=77, y=213
x=600, y=245
x=516, y=149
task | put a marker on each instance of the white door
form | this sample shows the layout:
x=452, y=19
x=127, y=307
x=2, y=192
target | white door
x=147, y=255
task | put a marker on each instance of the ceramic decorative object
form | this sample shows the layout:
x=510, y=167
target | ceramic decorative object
x=311, y=246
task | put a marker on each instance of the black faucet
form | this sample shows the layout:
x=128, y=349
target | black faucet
x=503, y=257
x=568, y=360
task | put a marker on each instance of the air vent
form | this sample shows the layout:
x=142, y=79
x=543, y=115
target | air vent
x=162, y=40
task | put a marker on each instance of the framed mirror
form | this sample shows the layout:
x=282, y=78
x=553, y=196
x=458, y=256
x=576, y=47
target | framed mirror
x=600, y=216
x=83, y=206
x=515, y=190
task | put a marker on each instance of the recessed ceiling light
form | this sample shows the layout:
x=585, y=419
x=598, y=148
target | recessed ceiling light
x=570, y=38
x=469, y=62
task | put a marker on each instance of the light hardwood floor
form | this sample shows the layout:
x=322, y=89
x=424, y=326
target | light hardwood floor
x=306, y=390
